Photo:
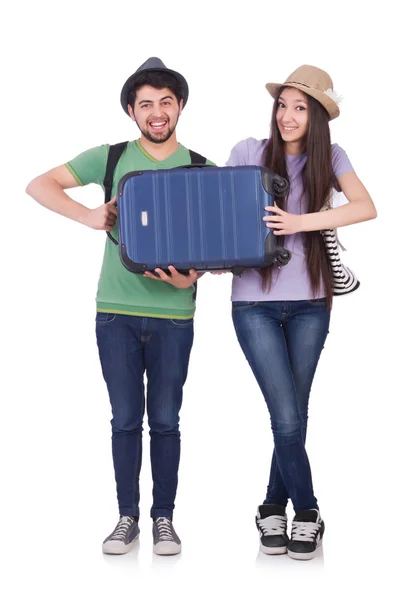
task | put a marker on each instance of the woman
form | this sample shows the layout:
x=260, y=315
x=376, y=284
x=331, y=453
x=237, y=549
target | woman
x=281, y=317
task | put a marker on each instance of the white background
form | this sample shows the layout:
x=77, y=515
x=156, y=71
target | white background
x=63, y=66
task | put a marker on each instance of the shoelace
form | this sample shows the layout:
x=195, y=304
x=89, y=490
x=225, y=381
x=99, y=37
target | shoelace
x=273, y=525
x=164, y=527
x=122, y=527
x=303, y=531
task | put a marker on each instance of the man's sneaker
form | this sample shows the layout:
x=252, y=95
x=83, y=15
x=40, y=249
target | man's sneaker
x=165, y=540
x=306, y=535
x=122, y=538
x=271, y=522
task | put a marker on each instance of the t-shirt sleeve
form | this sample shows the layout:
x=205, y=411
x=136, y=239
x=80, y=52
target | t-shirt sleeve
x=89, y=166
x=239, y=155
x=340, y=161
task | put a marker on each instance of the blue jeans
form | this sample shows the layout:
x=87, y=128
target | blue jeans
x=129, y=346
x=282, y=342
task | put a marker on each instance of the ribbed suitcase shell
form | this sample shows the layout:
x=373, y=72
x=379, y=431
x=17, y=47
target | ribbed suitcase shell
x=204, y=218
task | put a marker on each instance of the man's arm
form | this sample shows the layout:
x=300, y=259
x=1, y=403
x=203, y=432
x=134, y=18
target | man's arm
x=48, y=190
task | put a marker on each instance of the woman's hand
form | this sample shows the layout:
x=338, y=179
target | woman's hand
x=282, y=222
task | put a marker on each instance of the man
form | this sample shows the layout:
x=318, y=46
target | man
x=143, y=323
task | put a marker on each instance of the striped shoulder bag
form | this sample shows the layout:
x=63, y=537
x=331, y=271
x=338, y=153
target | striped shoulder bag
x=345, y=280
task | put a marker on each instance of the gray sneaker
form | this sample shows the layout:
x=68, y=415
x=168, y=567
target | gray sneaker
x=165, y=540
x=121, y=539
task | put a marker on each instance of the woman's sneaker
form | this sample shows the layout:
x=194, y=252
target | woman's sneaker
x=165, y=540
x=271, y=522
x=122, y=538
x=306, y=534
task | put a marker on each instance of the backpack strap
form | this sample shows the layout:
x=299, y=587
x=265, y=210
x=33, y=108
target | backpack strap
x=197, y=159
x=114, y=156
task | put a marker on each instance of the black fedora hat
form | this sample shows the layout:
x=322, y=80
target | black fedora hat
x=152, y=64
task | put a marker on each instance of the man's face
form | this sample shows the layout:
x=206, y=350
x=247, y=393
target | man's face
x=156, y=112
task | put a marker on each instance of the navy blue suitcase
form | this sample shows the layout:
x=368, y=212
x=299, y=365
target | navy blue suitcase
x=201, y=217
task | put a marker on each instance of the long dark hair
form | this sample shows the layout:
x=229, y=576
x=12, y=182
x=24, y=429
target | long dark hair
x=318, y=180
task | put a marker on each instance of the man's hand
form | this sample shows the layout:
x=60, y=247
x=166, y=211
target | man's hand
x=102, y=218
x=175, y=278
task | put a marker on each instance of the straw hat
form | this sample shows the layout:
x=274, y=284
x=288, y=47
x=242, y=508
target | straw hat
x=315, y=83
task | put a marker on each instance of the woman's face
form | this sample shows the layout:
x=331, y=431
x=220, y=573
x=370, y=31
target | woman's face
x=292, y=115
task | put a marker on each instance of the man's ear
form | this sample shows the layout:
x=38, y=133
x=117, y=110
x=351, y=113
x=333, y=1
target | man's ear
x=180, y=106
x=131, y=112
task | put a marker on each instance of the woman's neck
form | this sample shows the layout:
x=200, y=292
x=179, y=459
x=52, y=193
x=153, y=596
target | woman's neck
x=293, y=148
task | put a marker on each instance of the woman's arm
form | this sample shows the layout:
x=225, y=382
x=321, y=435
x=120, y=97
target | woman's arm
x=360, y=208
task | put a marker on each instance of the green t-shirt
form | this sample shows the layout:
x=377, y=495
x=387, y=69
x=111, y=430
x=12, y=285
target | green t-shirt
x=120, y=291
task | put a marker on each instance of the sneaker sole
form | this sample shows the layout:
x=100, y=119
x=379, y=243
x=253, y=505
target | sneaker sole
x=119, y=550
x=273, y=551
x=304, y=555
x=164, y=549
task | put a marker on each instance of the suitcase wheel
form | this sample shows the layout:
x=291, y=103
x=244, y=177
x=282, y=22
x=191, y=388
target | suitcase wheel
x=238, y=271
x=283, y=258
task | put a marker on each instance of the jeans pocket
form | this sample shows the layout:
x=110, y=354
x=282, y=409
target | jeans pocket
x=102, y=318
x=242, y=305
x=182, y=322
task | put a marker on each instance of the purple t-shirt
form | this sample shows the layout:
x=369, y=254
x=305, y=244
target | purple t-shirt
x=291, y=282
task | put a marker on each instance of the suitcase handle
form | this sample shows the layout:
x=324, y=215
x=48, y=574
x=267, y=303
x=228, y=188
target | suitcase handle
x=115, y=242
x=111, y=238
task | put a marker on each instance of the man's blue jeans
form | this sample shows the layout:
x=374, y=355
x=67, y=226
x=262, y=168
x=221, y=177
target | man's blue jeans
x=282, y=342
x=129, y=346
